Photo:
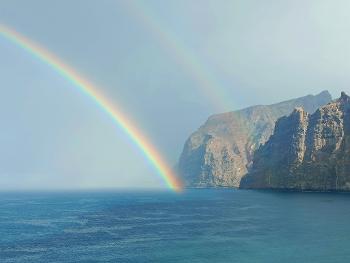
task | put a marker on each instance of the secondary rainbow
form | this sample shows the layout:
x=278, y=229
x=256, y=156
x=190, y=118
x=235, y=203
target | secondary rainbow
x=94, y=93
x=207, y=84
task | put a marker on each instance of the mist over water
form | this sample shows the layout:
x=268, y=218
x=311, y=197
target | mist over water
x=203, y=225
x=168, y=75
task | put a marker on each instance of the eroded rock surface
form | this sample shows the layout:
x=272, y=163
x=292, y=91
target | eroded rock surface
x=220, y=152
x=306, y=152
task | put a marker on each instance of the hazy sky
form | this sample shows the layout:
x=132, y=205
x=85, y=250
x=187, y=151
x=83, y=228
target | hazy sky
x=168, y=64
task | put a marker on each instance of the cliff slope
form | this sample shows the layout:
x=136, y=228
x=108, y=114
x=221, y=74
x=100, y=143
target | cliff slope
x=220, y=151
x=306, y=152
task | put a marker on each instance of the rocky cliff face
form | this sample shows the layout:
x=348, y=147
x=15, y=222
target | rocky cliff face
x=306, y=152
x=220, y=151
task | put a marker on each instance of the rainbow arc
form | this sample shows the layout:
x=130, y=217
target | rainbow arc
x=206, y=82
x=90, y=90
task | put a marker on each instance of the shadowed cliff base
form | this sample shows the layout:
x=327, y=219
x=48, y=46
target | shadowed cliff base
x=307, y=152
x=220, y=152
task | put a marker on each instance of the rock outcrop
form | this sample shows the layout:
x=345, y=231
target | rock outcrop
x=220, y=151
x=306, y=152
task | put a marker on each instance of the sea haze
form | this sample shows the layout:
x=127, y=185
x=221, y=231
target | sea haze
x=198, y=225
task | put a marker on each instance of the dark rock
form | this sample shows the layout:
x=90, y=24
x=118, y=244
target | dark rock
x=220, y=152
x=306, y=152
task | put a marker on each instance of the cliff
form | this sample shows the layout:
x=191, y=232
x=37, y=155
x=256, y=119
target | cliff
x=306, y=152
x=221, y=150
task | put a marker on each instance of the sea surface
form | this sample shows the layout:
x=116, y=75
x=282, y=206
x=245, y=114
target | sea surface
x=199, y=225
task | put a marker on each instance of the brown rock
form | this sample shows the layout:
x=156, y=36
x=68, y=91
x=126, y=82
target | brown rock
x=220, y=152
x=308, y=152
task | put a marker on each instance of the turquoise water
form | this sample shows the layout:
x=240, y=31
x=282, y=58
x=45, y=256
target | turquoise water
x=197, y=226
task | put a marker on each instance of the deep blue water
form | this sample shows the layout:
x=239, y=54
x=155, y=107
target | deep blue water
x=196, y=226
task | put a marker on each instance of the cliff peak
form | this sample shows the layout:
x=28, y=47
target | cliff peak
x=311, y=153
x=324, y=93
x=220, y=152
x=298, y=109
x=344, y=97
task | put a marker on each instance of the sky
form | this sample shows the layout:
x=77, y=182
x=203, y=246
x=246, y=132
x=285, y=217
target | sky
x=168, y=64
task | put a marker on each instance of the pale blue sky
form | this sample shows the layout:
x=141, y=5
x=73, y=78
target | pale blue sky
x=254, y=52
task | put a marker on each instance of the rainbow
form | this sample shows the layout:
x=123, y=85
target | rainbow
x=149, y=151
x=206, y=82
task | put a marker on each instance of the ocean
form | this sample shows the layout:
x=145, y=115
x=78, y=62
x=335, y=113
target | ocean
x=198, y=225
